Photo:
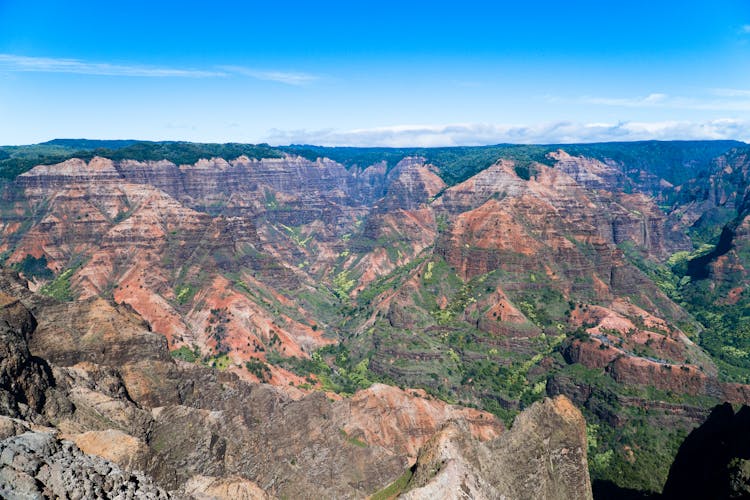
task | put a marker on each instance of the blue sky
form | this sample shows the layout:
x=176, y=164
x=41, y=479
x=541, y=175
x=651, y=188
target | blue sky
x=374, y=73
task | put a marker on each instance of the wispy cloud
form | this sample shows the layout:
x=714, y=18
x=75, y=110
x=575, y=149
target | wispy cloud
x=723, y=92
x=713, y=100
x=287, y=77
x=12, y=62
x=473, y=134
x=55, y=65
x=745, y=29
x=654, y=99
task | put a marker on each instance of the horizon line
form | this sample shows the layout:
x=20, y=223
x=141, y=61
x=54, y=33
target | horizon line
x=312, y=145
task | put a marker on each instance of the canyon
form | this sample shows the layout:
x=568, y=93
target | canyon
x=83, y=427
x=332, y=322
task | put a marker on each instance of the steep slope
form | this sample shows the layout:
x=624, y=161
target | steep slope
x=713, y=459
x=217, y=255
x=530, y=258
x=556, y=270
x=195, y=431
x=713, y=281
x=106, y=236
x=454, y=465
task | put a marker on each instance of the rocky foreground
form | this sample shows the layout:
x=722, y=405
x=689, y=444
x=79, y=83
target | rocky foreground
x=37, y=464
x=86, y=414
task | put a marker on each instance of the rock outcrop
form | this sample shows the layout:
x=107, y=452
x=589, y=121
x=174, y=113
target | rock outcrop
x=37, y=464
x=542, y=456
x=24, y=379
x=193, y=430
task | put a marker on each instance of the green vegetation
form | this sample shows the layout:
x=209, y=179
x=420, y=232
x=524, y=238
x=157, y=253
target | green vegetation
x=266, y=299
x=15, y=160
x=184, y=353
x=59, y=288
x=220, y=361
x=217, y=330
x=389, y=281
x=352, y=440
x=440, y=333
x=259, y=369
x=394, y=489
x=296, y=236
x=342, y=284
x=332, y=366
x=121, y=216
x=707, y=229
x=725, y=327
x=669, y=160
x=184, y=293
x=599, y=461
x=664, y=159
x=675, y=161
x=525, y=171
x=439, y=352
x=182, y=153
x=33, y=267
x=456, y=164
x=271, y=203
x=637, y=453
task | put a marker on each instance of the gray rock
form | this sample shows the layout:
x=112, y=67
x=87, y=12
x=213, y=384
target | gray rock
x=39, y=465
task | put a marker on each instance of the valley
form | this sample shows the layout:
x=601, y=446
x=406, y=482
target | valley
x=458, y=284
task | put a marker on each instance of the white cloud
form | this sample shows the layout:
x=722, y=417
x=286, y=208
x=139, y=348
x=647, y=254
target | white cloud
x=472, y=134
x=733, y=100
x=654, y=99
x=13, y=62
x=723, y=92
x=55, y=65
x=288, y=77
x=745, y=29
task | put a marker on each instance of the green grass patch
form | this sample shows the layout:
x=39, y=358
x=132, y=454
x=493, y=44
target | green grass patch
x=184, y=353
x=184, y=293
x=220, y=362
x=342, y=284
x=352, y=440
x=333, y=366
x=394, y=489
x=59, y=288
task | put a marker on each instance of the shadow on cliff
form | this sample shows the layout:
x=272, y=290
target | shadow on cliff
x=712, y=463
x=607, y=490
x=714, y=460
